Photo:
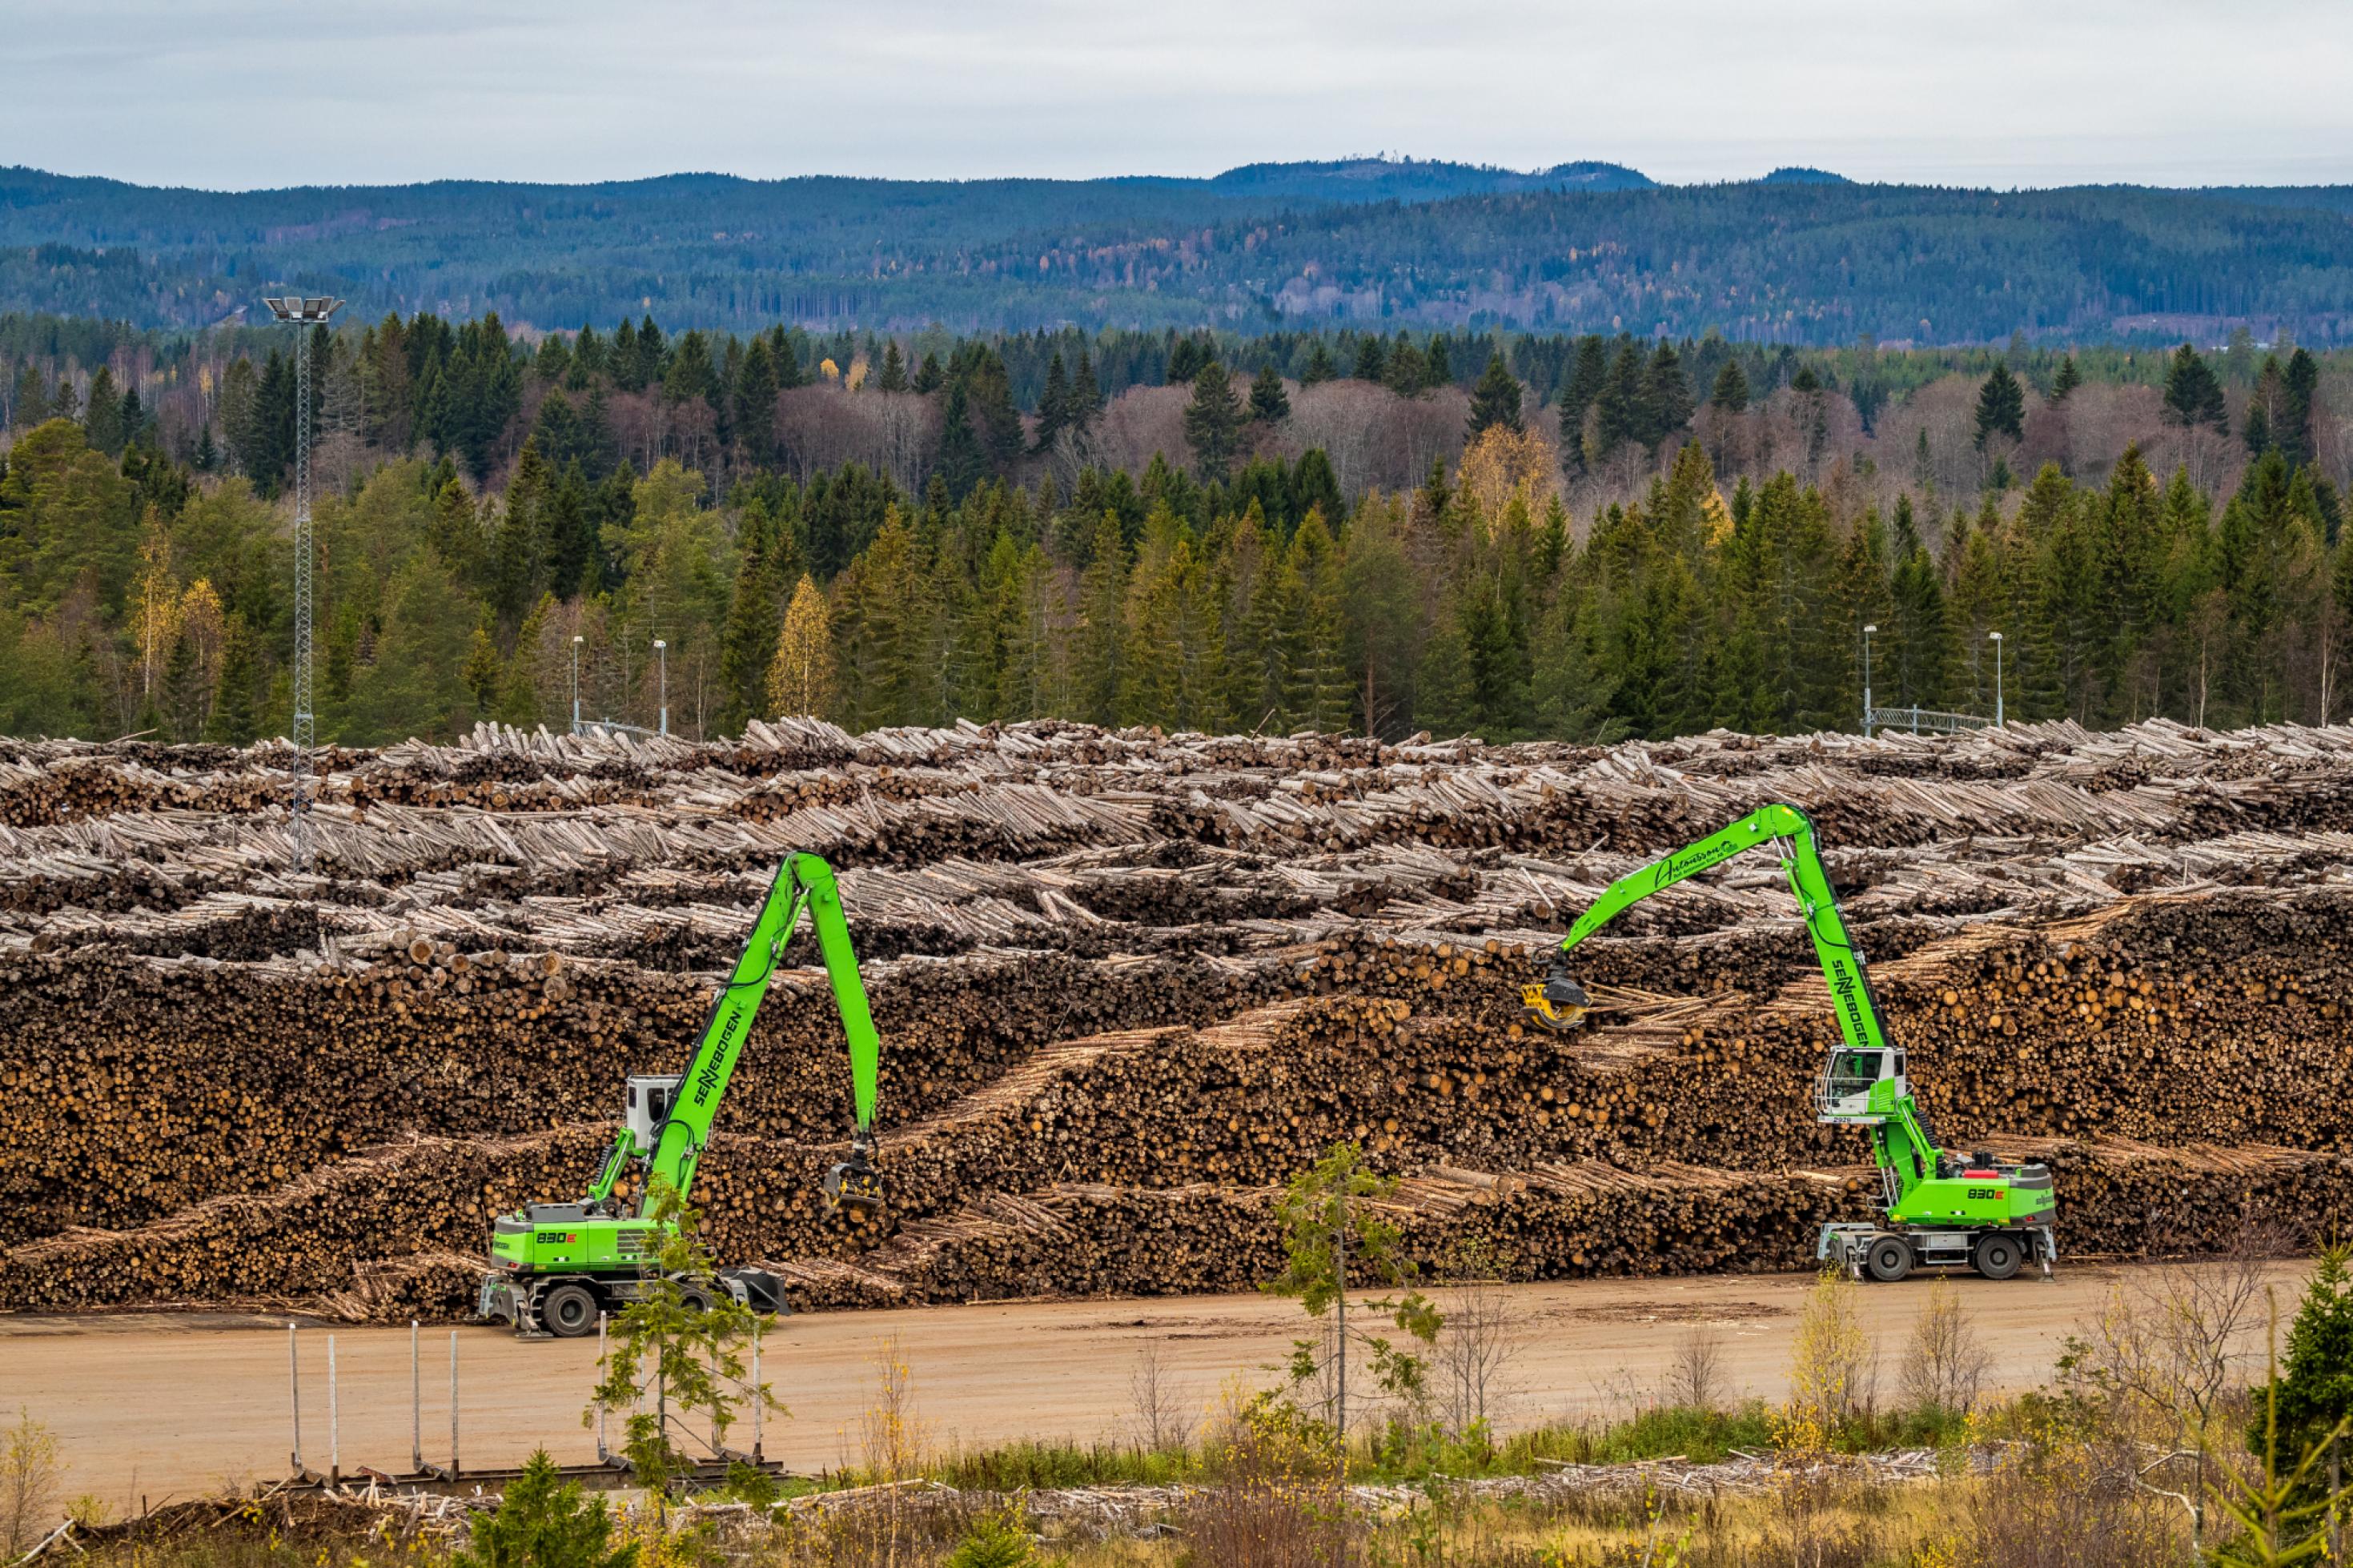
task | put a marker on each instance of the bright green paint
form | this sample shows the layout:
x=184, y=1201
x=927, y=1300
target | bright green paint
x=606, y=1244
x=1900, y=1144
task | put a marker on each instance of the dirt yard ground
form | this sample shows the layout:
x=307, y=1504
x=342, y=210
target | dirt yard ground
x=159, y=1404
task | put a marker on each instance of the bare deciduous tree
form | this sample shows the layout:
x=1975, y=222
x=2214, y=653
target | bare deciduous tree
x=1159, y=1404
x=2168, y=1363
x=1695, y=1375
x=1471, y=1370
x=1945, y=1364
x=29, y=1483
x=1139, y=422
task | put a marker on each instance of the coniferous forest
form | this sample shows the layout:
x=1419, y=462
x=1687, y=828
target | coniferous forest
x=1799, y=256
x=1580, y=537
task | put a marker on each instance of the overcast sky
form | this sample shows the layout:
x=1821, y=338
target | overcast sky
x=223, y=94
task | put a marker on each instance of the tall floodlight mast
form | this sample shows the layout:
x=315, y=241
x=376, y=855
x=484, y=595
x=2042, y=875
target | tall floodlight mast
x=305, y=313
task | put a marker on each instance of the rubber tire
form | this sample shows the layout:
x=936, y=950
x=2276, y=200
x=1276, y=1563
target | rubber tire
x=1888, y=1259
x=568, y=1310
x=696, y=1299
x=1998, y=1257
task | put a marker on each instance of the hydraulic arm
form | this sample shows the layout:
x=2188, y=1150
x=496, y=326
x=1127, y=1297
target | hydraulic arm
x=1938, y=1209
x=558, y=1264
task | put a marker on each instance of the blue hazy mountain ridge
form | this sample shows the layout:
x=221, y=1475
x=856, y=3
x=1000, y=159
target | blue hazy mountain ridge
x=1800, y=255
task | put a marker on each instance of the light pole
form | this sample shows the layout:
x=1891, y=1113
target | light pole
x=576, y=640
x=1867, y=630
x=303, y=313
x=1995, y=638
x=662, y=656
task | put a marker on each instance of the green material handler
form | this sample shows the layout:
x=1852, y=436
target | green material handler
x=555, y=1267
x=1938, y=1208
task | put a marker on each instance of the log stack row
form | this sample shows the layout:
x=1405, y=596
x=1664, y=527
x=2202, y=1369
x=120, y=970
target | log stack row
x=1129, y=984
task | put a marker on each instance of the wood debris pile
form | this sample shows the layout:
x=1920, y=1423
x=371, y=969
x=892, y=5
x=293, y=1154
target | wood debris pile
x=1128, y=983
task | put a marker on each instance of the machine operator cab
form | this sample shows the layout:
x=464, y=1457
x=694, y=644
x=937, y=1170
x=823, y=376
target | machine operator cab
x=1861, y=1085
x=650, y=1098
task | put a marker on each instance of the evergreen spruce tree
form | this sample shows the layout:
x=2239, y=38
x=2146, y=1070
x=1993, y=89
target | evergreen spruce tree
x=2257, y=430
x=1571, y=688
x=1319, y=691
x=790, y=373
x=545, y=1522
x=1666, y=396
x=1102, y=628
x=928, y=374
x=2292, y=430
x=1859, y=597
x=1320, y=368
x=894, y=374
x=519, y=550
x=625, y=360
x=103, y=422
x=755, y=406
x=1585, y=384
x=1372, y=358
x=1437, y=371
x=1407, y=370
x=1185, y=359
x=996, y=421
x=1213, y=421
x=1731, y=391
x=2001, y=407
x=2066, y=379
x=1495, y=400
x=747, y=639
x=1054, y=405
x=1445, y=695
x=2315, y=1377
x=1618, y=408
x=1314, y=485
x=2193, y=397
x=1268, y=404
x=961, y=463
x=29, y=405
x=1250, y=622
x=1086, y=393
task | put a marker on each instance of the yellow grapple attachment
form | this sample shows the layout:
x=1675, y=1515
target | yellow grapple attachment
x=854, y=1186
x=1558, y=1005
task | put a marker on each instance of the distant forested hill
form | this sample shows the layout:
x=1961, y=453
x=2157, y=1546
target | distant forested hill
x=1800, y=257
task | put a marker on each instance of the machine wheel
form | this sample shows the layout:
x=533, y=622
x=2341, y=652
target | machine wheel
x=1889, y=1258
x=568, y=1310
x=696, y=1299
x=1998, y=1257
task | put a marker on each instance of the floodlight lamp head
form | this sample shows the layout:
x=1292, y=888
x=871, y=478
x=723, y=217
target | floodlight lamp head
x=302, y=307
x=1868, y=631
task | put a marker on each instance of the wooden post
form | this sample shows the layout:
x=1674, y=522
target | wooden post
x=334, y=1423
x=601, y=1455
x=454, y=1465
x=294, y=1381
x=415, y=1407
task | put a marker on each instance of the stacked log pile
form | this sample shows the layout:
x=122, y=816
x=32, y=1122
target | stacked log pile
x=1129, y=984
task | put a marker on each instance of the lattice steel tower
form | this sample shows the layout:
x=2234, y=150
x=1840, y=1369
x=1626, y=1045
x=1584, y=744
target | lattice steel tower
x=305, y=313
